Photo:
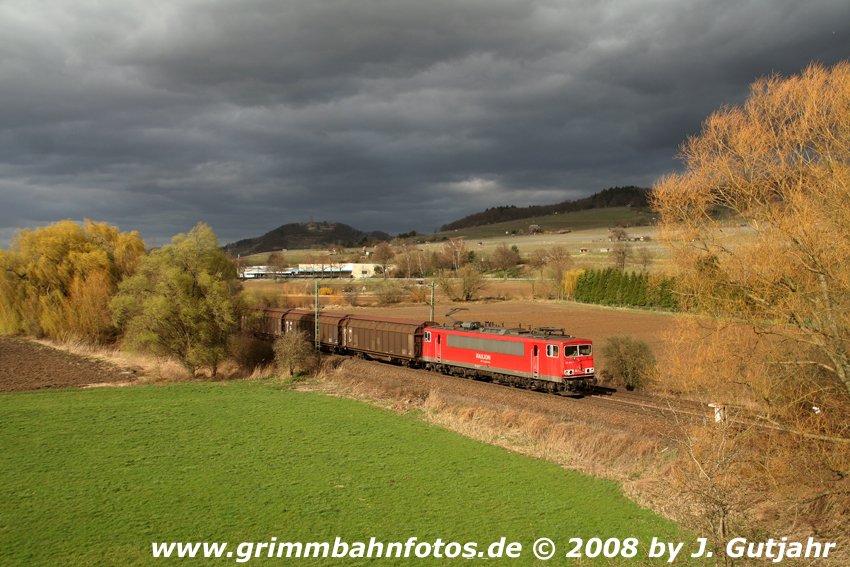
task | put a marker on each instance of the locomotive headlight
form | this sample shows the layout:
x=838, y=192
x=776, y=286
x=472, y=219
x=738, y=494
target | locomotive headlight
x=589, y=370
x=568, y=372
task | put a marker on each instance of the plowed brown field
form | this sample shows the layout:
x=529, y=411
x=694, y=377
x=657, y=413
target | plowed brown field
x=27, y=365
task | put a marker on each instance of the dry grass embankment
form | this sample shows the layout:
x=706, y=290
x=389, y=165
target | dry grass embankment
x=141, y=368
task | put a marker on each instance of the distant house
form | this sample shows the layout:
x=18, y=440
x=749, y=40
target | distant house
x=583, y=250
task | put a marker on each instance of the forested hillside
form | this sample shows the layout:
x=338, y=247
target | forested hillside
x=306, y=235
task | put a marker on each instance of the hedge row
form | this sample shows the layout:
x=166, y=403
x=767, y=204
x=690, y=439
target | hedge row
x=613, y=287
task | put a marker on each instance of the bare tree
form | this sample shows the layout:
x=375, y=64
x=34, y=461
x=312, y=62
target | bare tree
x=388, y=293
x=411, y=261
x=715, y=460
x=465, y=286
x=294, y=353
x=422, y=263
x=618, y=234
x=620, y=252
x=351, y=293
x=553, y=265
x=558, y=261
x=628, y=361
x=241, y=265
x=472, y=282
x=537, y=259
x=504, y=258
x=644, y=258
x=455, y=252
x=382, y=255
x=277, y=261
x=405, y=261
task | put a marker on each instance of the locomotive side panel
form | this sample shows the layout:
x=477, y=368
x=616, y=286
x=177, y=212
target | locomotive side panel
x=514, y=356
x=524, y=356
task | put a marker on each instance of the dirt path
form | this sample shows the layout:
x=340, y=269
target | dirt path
x=27, y=365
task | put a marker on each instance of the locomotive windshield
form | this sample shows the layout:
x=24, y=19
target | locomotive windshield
x=577, y=350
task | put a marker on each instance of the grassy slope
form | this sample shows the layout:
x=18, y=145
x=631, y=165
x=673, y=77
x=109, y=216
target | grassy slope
x=579, y=220
x=93, y=476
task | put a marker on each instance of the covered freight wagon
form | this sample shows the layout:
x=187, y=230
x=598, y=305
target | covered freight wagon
x=394, y=340
x=305, y=321
x=266, y=322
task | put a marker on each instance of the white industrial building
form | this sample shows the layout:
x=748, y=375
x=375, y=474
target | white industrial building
x=347, y=270
x=327, y=270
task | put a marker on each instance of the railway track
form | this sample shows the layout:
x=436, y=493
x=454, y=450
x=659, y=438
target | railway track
x=664, y=406
x=692, y=409
x=632, y=401
x=663, y=409
x=635, y=403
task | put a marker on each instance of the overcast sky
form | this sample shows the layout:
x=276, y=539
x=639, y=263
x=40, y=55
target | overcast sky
x=383, y=114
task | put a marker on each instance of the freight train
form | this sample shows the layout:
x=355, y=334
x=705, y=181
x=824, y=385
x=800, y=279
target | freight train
x=542, y=359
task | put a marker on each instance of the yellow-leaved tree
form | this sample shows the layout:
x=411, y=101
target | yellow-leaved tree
x=57, y=280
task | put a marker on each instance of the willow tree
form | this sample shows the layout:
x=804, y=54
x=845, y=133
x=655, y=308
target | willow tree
x=57, y=280
x=182, y=302
x=759, y=220
x=759, y=225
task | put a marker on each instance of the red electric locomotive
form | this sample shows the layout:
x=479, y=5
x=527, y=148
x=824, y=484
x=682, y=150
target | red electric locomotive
x=544, y=358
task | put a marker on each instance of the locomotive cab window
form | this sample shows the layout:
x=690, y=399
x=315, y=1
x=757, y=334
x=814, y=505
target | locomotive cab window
x=570, y=350
x=427, y=336
x=585, y=350
x=552, y=351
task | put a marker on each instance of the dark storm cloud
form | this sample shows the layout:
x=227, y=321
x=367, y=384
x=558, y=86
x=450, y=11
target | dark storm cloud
x=382, y=114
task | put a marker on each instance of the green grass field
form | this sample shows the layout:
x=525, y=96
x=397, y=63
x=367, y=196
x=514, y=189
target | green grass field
x=92, y=477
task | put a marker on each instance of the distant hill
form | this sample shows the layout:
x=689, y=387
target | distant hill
x=612, y=197
x=306, y=235
x=589, y=219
